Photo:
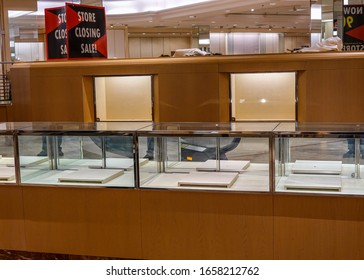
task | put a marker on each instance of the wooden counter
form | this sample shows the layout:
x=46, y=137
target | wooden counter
x=165, y=224
x=329, y=86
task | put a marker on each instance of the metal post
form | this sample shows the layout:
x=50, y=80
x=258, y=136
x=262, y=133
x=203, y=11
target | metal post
x=357, y=158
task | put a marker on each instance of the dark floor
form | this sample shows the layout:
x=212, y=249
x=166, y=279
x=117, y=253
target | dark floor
x=22, y=255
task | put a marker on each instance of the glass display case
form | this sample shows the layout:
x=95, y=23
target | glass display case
x=276, y=157
x=8, y=172
x=82, y=154
x=206, y=156
x=319, y=158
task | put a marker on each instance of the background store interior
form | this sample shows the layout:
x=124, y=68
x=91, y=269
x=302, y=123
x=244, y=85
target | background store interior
x=144, y=29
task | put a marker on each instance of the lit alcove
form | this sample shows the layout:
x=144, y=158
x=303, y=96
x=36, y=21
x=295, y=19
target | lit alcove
x=263, y=96
x=123, y=98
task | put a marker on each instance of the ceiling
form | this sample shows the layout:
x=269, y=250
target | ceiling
x=272, y=15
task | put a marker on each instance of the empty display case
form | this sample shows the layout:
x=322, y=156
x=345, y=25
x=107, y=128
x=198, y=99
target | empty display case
x=82, y=154
x=206, y=156
x=319, y=158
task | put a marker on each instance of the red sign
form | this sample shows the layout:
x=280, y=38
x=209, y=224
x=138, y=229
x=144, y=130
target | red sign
x=56, y=33
x=76, y=32
x=86, y=27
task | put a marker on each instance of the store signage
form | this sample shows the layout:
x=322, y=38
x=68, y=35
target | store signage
x=86, y=27
x=56, y=33
x=353, y=37
x=76, y=32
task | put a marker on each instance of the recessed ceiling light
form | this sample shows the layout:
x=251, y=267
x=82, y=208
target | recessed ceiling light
x=252, y=10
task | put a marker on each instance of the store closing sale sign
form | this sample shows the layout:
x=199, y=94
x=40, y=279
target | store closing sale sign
x=86, y=29
x=56, y=33
x=353, y=38
x=76, y=32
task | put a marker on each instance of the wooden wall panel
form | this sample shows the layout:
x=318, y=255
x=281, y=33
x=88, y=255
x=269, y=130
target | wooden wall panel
x=4, y=113
x=56, y=96
x=224, y=98
x=189, y=97
x=318, y=227
x=190, y=89
x=334, y=95
x=83, y=221
x=11, y=218
x=88, y=98
x=206, y=225
x=21, y=109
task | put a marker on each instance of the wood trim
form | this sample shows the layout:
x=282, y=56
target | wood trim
x=83, y=221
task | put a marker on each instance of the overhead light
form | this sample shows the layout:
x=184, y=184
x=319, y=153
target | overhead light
x=15, y=14
x=316, y=11
x=252, y=10
x=204, y=41
x=113, y=7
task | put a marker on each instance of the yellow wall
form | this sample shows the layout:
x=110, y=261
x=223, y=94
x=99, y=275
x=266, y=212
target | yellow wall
x=124, y=98
x=264, y=96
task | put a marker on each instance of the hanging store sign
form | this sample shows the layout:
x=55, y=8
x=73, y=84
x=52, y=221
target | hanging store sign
x=86, y=27
x=56, y=33
x=76, y=32
x=353, y=37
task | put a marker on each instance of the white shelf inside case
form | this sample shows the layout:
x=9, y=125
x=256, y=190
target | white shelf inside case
x=99, y=176
x=7, y=161
x=7, y=173
x=313, y=182
x=317, y=167
x=27, y=161
x=209, y=179
x=121, y=163
x=225, y=165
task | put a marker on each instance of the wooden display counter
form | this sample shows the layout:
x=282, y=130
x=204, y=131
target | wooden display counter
x=12, y=232
x=329, y=86
x=175, y=224
x=157, y=224
x=318, y=227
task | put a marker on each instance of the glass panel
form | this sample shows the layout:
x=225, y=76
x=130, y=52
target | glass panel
x=7, y=166
x=263, y=96
x=205, y=163
x=105, y=161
